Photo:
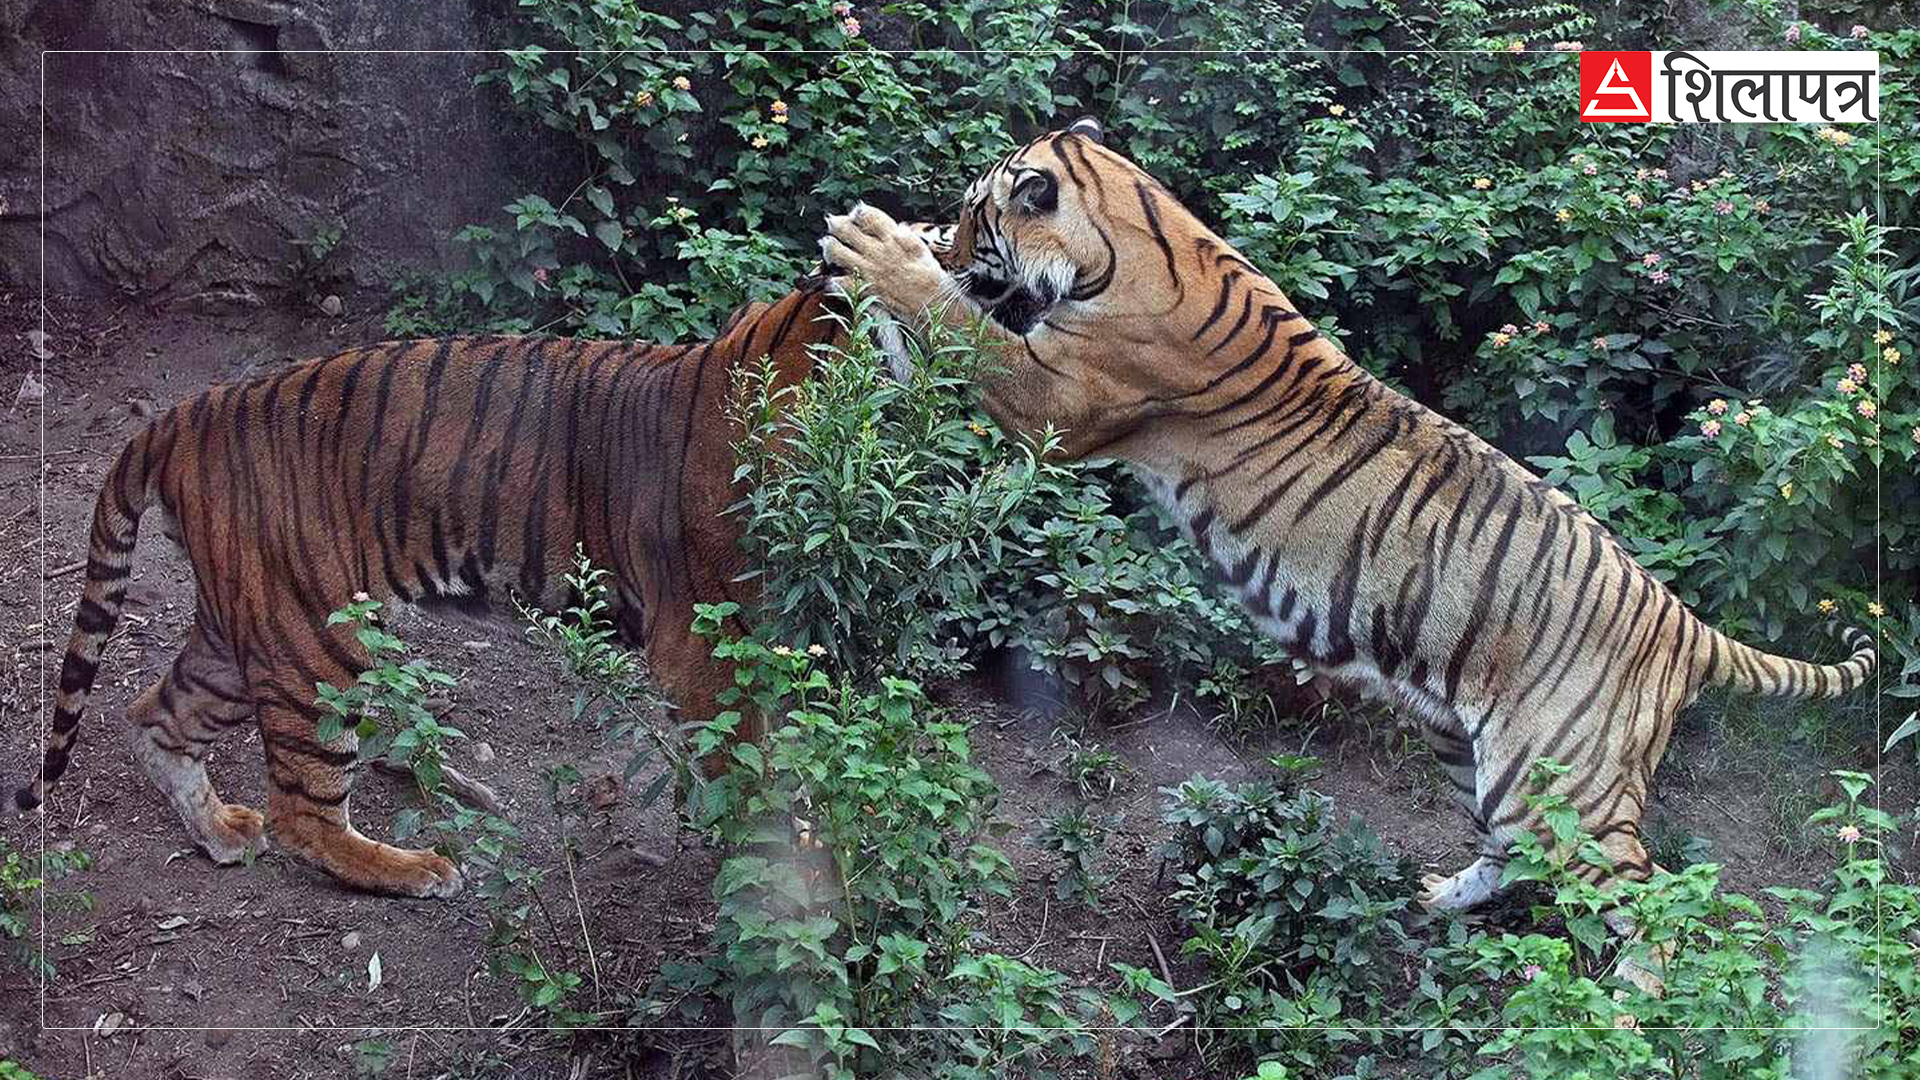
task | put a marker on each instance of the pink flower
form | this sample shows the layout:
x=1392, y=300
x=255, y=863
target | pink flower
x=1850, y=834
x=1530, y=972
x=1591, y=170
x=1793, y=33
x=851, y=26
x=540, y=275
x=1541, y=327
x=1651, y=258
x=1711, y=429
x=1600, y=344
x=1509, y=329
x=1718, y=406
x=1634, y=200
x=1743, y=418
x=1517, y=47
x=1916, y=435
x=1723, y=207
x=1659, y=277
x=1857, y=372
x=1846, y=386
x=1858, y=33
x=842, y=9
x=1866, y=408
x=1659, y=174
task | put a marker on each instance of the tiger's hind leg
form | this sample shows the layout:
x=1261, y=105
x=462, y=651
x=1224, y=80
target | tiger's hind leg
x=1476, y=884
x=309, y=781
x=174, y=722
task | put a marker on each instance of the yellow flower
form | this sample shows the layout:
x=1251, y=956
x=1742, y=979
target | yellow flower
x=1634, y=200
x=782, y=650
x=680, y=82
x=759, y=142
x=977, y=428
x=1786, y=490
x=1867, y=408
x=642, y=98
x=1564, y=214
x=1718, y=406
x=1516, y=47
x=1874, y=609
x=1890, y=354
x=816, y=650
x=1482, y=183
x=1834, y=441
x=1500, y=339
x=1828, y=607
x=1881, y=337
x=1337, y=110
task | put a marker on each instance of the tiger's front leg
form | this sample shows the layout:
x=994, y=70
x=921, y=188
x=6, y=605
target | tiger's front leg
x=892, y=259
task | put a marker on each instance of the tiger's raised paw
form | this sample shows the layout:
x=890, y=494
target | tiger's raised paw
x=892, y=259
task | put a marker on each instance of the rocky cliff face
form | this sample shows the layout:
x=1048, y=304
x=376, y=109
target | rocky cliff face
x=190, y=169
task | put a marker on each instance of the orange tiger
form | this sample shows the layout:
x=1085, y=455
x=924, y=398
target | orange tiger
x=446, y=473
x=1376, y=539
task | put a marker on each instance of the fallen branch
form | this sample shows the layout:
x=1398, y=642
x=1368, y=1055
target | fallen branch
x=458, y=784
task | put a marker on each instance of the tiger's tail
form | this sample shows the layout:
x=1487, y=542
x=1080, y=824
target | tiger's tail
x=116, y=524
x=1750, y=670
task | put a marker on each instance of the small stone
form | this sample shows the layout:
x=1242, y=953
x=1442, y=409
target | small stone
x=191, y=989
x=108, y=1024
x=351, y=941
x=477, y=646
x=37, y=345
x=215, y=1038
x=32, y=392
x=483, y=752
x=142, y=407
x=332, y=306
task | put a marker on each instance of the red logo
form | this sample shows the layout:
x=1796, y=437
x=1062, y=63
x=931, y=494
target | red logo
x=1616, y=87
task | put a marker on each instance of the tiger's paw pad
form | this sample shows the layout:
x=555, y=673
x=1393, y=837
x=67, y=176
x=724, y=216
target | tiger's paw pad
x=237, y=833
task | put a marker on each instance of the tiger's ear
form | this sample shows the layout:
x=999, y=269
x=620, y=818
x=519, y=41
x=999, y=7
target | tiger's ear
x=1037, y=192
x=1088, y=127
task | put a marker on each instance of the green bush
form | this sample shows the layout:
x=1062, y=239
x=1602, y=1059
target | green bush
x=874, y=506
x=1298, y=919
x=24, y=888
x=857, y=879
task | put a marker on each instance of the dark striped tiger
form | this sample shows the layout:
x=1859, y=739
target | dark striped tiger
x=1376, y=539
x=444, y=473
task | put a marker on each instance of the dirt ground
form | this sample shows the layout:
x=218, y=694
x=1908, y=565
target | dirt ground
x=179, y=969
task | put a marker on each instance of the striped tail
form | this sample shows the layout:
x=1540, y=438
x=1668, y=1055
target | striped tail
x=116, y=524
x=1745, y=668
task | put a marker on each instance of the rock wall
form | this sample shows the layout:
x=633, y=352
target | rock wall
x=191, y=169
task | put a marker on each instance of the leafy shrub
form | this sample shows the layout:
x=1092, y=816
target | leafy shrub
x=1297, y=919
x=874, y=504
x=1076, y=837
x=23, y=887
x=857, y=881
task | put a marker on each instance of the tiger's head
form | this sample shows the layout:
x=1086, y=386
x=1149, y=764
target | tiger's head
x=1102, y=274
